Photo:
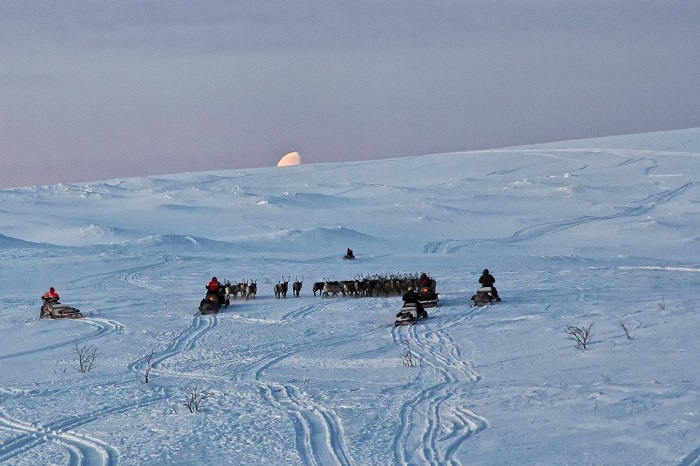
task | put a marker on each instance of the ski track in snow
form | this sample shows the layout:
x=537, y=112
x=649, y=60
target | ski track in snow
x=434, y=424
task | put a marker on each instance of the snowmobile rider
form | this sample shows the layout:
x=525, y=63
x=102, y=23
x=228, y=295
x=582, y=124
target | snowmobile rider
x=49, y=298
x=412, y=297
x=349, y=253
x=214, y=288
x=423, y=281
x=487, y=280
x=51, y=294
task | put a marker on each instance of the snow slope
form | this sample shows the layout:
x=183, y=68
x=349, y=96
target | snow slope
x=602, y=232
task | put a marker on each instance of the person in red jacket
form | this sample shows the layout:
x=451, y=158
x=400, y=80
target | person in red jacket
x=214, y=288
x=48, y=299
x=51, y=294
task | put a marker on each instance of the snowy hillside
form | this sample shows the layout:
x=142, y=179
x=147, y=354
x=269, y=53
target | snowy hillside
x=601, y=232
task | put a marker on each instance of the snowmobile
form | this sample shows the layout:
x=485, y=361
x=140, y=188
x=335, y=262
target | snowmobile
x=484, y=296
x=428, y=296
x=212, y=302
x=349, y=256
x=409, y=314
x=209, y=305
x=54, y=309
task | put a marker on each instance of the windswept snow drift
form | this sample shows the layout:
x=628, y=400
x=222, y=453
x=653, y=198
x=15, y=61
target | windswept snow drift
x=598, y=232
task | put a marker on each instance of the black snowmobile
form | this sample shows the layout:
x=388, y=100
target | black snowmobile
x=55, y=310
x=212, y=302
x=409, y=314
x=209, y=305
x=485, y=296
x=348, y=256
x=427, y=296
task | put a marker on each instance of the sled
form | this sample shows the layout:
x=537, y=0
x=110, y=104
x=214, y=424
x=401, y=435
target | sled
x=408, y=315
x=56, y=310
x=484, y=296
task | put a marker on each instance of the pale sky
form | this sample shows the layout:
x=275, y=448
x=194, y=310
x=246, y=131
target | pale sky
x=94, y=90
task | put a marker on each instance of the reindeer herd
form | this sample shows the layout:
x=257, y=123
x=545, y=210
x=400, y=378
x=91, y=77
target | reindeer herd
x=247, y=289
x=361, y=286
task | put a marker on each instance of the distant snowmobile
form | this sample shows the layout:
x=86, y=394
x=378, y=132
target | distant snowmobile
x=409, y=314
x=484, y=296
x=428, y=297
x=349, y=255
x=54, y=309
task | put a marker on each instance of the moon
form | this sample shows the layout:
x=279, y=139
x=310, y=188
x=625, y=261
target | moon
x=293, y=158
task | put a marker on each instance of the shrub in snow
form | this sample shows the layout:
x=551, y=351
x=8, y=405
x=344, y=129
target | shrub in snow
x=407, y=355
x=86, y=357
x=194, y=398
x=582, y=336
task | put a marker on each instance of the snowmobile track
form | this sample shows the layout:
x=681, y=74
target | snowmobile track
x=104, y=327
x=693, y=459
x=304, y=311
x=319, y=433
x=643, y=207
x=320, y=438
x=82, y=449
x=185, y=340
x=437, y=408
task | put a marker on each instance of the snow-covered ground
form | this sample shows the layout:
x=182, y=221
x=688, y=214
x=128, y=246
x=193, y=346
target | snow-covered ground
x=599, y=232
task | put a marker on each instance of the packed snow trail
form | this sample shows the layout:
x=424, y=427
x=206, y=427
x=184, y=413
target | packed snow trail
x=319, y=433
x=104, y=327
x=83, y=450
x=434, y=423
x=186, y=340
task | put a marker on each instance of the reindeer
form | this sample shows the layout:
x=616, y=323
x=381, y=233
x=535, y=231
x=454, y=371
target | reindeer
x=350, y=288
x=281, y=288
x=331, y=289
x=296, y=287
x=318, y=286
x=232, y=290
x=374, y=286
x=251, y=289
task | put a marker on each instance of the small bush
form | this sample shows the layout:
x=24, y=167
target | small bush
x=87, y=355
x=407, y=357
x=582, y=336
x=194, y=398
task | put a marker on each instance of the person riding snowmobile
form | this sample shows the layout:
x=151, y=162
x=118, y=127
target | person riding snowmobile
x=49, y=299
x=412, y=297
x=214, y=288
x=349, y=254
x=51, y=294
x=423, y=281
x=487, y=280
